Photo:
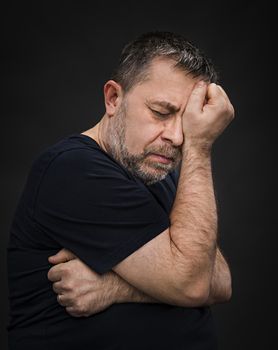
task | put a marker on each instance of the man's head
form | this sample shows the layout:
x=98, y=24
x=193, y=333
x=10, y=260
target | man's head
x=145, y=100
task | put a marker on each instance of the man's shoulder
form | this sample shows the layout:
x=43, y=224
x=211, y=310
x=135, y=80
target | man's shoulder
x=76, y=152
x=69, y=147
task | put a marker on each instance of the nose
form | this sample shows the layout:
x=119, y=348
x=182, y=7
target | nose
x=173, y=131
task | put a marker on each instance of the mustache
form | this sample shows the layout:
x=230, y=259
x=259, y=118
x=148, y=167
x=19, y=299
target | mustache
x=169, y=152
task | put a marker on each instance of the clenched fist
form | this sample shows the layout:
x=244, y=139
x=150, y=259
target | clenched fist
x=207, y=114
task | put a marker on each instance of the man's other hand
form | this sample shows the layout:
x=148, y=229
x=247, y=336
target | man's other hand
x=79, y=289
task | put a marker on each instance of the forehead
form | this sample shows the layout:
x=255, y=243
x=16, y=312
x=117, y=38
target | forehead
x=166, y=83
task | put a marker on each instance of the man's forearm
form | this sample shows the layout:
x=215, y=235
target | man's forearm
x=220, y=287
x=126, y=293
x=193, y=229
x=194, y=234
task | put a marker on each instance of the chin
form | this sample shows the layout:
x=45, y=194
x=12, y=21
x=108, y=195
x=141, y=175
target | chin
x=151, y=177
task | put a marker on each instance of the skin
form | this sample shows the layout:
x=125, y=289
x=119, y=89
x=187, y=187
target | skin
x=184, y=265
x=135, y=126
x=83, y=292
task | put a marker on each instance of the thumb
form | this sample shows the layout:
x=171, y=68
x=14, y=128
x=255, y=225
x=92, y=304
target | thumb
x=214, y=91
x=197, y=98
x=62, y=256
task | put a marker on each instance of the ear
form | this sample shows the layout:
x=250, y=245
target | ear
x=113, y=94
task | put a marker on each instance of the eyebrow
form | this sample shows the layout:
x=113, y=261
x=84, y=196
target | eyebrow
x=165, y=104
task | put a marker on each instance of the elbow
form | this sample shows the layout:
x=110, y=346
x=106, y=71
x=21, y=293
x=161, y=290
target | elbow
x=185, y=296
x=201, y=295
x=196, y=295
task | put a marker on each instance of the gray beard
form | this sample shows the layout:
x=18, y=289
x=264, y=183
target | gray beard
x=116, y=147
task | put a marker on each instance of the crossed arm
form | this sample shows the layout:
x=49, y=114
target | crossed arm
x=182, y=265
x=83, y=292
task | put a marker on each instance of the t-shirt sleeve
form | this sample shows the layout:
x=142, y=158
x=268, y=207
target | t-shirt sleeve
x=88, y=204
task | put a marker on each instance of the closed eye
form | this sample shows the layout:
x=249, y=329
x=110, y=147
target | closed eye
x=159, y=114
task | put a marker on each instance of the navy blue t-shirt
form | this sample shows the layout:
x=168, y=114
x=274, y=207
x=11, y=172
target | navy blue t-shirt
x=80, y=198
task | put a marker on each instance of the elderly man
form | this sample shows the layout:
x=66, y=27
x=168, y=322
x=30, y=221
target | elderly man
x=127, y=214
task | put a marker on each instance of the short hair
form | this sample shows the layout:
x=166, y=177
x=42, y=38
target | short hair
x=138, y=54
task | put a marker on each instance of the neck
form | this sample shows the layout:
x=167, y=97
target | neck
x=98, y=132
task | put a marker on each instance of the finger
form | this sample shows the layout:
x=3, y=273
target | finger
x=55, y=274
x=58, y=287
x=62, y=256
x=73, y=312
x=62, y=300
x=197, y=98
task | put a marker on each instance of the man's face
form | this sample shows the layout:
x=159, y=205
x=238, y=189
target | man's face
x=146, y=133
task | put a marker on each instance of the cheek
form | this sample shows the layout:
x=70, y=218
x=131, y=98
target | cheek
x=141, y=132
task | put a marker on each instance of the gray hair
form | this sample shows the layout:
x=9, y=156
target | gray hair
x=138, y=54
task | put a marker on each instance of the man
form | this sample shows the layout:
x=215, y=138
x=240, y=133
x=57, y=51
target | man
x=128, y=207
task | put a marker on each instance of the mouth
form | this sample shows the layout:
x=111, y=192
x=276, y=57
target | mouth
x=162, y=158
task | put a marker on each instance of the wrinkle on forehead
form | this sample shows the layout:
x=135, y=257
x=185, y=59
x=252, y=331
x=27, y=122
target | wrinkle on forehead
x=165, y=82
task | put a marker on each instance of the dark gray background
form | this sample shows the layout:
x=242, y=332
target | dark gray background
x=56, y=58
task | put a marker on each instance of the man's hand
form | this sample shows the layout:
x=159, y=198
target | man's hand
x=79, y=289
x=208, y=113
x=83, y=292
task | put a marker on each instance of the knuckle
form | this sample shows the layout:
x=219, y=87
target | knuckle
x=65, y=271
x=68, y=285
x=195, y=92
